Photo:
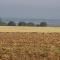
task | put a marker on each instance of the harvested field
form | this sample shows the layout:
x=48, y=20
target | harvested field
x=29, y=46
x=28, y=29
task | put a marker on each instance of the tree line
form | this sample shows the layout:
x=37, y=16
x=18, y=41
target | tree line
x=12, y=23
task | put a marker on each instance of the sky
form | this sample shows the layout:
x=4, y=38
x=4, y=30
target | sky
x=44, y=9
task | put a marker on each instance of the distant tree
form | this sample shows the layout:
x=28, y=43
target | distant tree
x=22, y=24
x=2, y=23
x=30, y=24
x=43, y=24
x=11, y=23
x=37, y=25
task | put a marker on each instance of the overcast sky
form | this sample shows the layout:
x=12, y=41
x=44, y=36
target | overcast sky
x=30, y=8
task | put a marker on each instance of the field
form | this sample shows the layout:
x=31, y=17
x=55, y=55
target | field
x=28, y=29
x=29, y=45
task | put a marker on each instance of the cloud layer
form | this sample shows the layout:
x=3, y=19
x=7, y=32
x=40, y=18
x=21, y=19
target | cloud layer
x=30, y=8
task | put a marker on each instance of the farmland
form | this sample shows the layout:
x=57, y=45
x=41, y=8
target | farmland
x=29, y=43
x=29, y=46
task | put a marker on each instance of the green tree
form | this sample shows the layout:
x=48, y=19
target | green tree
x=30, y=24
x=43, y=24
x=37, y=25
x=21, y=24
x=11, y=23
x=2, y=23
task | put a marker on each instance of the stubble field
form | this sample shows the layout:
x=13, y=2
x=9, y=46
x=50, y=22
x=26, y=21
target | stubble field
x=29, y=46
x=29, y=43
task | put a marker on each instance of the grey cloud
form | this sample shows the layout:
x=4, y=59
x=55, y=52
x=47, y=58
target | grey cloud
x=30, y=8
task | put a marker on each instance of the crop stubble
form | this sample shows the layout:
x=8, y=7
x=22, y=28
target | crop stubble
x=29, y=46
